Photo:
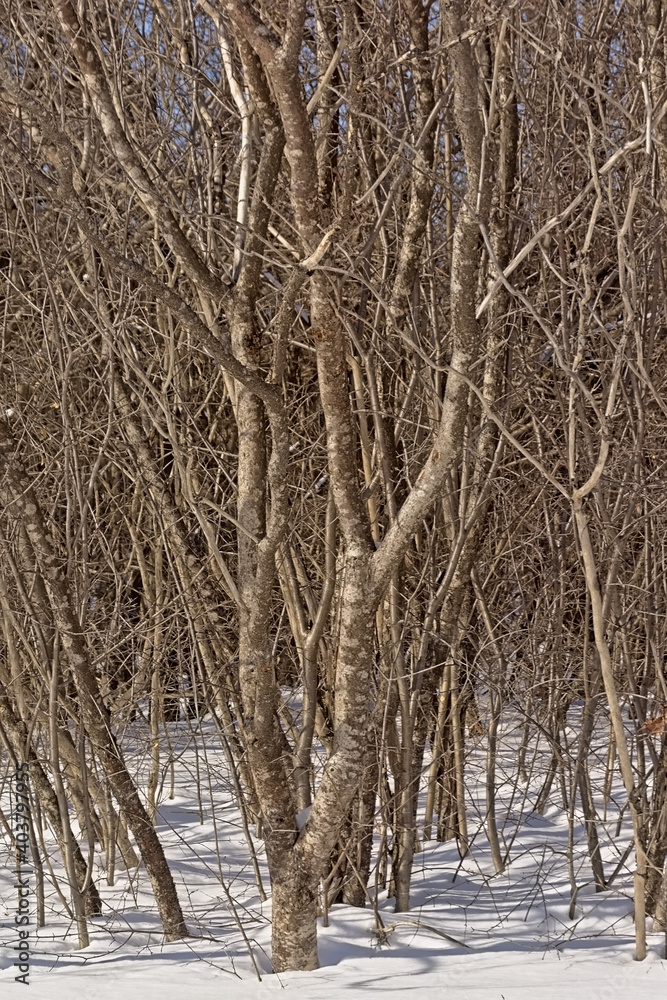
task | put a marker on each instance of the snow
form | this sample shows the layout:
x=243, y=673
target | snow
x=517, y=940
x=411, y=973
x=302, y=817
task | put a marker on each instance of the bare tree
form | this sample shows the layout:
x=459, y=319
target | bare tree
x=332, y=339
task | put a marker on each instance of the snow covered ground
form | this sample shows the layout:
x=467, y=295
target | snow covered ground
x=516, y=939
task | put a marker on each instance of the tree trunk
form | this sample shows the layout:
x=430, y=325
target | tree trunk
x=294, y=920
x=17, y=734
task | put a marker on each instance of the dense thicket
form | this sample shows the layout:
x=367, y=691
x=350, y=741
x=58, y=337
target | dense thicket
x=333, y=362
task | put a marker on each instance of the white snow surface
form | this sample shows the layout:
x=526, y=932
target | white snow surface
x=302, y=817
x=517, y=940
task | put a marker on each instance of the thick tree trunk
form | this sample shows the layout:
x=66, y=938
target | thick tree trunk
x=294, y=916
